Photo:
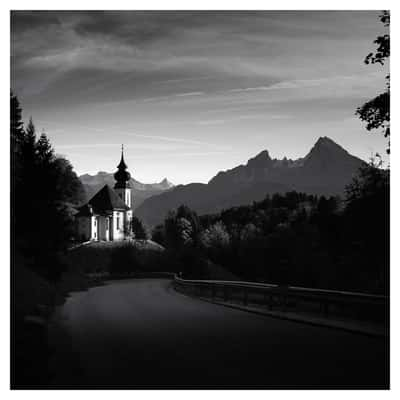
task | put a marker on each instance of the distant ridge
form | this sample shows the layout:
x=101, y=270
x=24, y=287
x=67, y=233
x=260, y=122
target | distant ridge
x=325, y=170
x=140, y=191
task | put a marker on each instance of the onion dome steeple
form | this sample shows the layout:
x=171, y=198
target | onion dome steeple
x=122, y=176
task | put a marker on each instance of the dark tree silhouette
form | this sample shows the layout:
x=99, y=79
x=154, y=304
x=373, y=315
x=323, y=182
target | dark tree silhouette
x=138, y=228
x=158, y=234
x=382, y=42
x=376, y=112
x=292, y=238
x=367, y=217
x=45, y=151
x=28, y=145
x=16, y=124
x=16, y=138
x=44, y=186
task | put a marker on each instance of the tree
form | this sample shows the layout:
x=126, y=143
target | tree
x=158, y=234
x=182, y=227
x=16, y=138
x=216, y=236
x=69, y=187
x=185, y=231
x=27, y=175
x=30, y=136
x=16, y=124
x=138, y=228
x=376, y=112
x=191, y=216
x=370, y=182
x=383, y=42
x=249, y=232
x=367, y=215
x=43, y=187
x=45, y=151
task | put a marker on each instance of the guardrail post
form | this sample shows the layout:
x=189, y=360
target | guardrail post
x=212, y=291
x=225, y=293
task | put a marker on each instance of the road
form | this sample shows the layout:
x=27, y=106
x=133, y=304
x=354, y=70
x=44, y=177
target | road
x=142, y=334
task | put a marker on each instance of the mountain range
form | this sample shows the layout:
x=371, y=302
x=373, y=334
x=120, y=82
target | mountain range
x=325, y=170
x=140, y=191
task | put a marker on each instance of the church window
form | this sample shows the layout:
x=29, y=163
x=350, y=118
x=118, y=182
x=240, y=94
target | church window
x=117, y=221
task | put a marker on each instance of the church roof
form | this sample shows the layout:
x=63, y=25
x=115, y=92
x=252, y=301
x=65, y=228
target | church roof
x=84, y=211
x=104, y=200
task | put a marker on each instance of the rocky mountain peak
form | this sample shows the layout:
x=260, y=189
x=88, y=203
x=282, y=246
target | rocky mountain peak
x=326, y=169
x=165, y=182
x=261, y=160
x=326, y=150
x=325, y=143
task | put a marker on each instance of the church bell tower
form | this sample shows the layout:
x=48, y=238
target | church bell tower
x=122, y=176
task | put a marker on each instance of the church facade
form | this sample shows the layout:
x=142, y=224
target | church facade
x=108, y=214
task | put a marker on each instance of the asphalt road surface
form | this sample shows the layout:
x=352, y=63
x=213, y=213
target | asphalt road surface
x=142, y=334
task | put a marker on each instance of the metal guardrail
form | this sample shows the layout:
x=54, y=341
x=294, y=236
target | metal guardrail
x=288, y=297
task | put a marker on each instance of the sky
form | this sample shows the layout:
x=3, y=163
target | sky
x=193, y=93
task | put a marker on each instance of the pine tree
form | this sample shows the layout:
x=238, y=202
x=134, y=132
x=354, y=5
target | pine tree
x=28, y=146
x=138, y=229
x=42, y=186
x=16, y=139
x=27, y=173
x=16, y=124
x=45, y=151
x=30, y=136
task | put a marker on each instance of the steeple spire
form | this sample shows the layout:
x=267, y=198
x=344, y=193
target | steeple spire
x=122, y=164
x=122, y=176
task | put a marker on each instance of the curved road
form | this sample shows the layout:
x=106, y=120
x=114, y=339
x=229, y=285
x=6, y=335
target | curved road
x=142, y=334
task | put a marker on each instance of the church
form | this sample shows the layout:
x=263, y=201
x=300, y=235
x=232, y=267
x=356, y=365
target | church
x=108, y=214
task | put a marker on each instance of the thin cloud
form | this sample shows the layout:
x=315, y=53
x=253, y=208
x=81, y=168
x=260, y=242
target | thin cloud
x=243, y=118
x=308, y=83
x=149, y=147
x=172, y=96
x=200, y=78
x=195, y=153
x=86, y=146
x=175, y=140
x=190, y=94
x=134, y=134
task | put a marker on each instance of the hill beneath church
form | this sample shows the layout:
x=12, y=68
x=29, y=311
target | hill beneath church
x=140, y=191
x=325, y=170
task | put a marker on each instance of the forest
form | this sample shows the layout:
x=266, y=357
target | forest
x=292, y=238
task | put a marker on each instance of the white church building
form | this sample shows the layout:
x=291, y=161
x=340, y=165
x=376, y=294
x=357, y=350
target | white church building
x=108, y=213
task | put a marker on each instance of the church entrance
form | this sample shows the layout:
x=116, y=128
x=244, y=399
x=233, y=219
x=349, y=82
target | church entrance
x=104, y=228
